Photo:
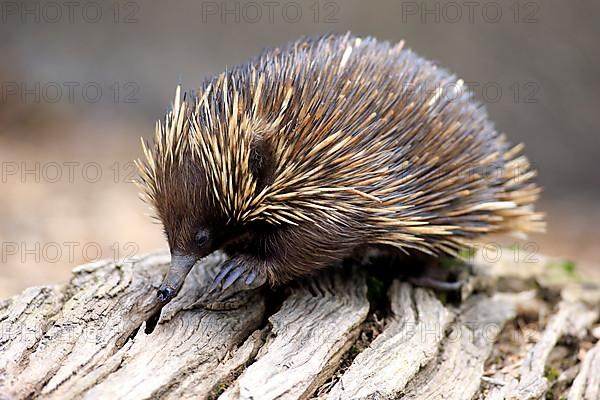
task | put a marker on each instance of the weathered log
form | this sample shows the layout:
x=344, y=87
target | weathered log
x=410, y=340
x=87, y=338
x=457, y=371
x=570, y=319
x=95, y=345
x=587, y=383
x=310, y=333
x=58, y=334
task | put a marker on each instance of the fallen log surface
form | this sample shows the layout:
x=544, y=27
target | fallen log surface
x=88, y=338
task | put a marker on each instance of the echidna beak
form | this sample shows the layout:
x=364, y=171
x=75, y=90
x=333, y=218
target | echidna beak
x=181, y=264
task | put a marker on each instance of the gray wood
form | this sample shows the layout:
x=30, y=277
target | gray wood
x=571, y=318
x=80, y=345
x=86, y=339
x=587, y=383
x=457, y=371
x=311, y=332
x=88, y=320
x=410, y=340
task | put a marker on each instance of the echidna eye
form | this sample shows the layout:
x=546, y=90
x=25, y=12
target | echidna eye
x=201, y=238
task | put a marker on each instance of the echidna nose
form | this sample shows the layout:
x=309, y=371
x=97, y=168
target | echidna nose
x=165, y=294
x=181, y=264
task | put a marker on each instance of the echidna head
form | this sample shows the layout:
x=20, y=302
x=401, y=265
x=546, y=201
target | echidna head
x=193, y=227
x=201, y=180
x=184, y=208
x=175, y=184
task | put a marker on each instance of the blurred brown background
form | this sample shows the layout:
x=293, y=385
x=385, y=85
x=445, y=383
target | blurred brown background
x=81, y=82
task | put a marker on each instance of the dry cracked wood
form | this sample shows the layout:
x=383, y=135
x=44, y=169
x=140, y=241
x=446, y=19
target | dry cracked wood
x=571, y=318
x=186, y=357
x=457, y=371
x=23, y=322
x=587, y=383
x=409, y=341
x=311, y=332
x=87, y=339
x=81, y=324
x=80, y=348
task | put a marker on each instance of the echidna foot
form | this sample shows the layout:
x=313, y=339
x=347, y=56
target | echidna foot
x=229, y=287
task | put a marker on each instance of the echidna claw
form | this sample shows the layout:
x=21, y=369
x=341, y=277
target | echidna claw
x=230, y=273
x=233, y=278
x=219, y=278
x=250, y=278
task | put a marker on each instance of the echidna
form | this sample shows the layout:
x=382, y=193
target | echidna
x=295, y=159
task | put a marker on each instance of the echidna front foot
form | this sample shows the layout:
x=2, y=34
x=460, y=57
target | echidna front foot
x=236, y=271
x=233, y=283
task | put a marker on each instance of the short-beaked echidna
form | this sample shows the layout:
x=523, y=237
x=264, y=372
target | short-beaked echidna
x=295, y=159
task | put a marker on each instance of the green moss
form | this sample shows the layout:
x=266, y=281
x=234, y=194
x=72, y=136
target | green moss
x=551, y=374
x=220, y=389
x=217, y=391
x=375, y=290
x=465, y=256
x=560, y=271
x=569, y=267
x=354, y=350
